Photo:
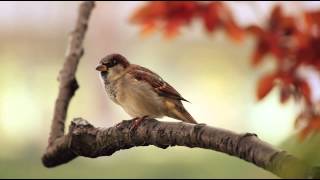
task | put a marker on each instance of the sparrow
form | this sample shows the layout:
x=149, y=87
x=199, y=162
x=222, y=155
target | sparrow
x=139, y=91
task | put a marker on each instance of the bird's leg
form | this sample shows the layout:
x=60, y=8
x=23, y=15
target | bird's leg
x=123, y=121
x=137, y=121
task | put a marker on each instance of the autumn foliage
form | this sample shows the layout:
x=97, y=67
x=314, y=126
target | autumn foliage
x=293, y=41
x=171, y=16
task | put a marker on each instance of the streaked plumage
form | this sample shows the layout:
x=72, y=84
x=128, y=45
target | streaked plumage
x=139, y=91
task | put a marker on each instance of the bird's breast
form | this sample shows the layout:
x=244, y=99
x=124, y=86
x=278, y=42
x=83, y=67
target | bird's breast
x=111, y=89
x=138, y=99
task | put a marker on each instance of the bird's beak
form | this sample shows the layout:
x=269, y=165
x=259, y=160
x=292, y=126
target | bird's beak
x=102, y=68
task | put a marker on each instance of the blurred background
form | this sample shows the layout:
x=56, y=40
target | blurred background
x=210, y=71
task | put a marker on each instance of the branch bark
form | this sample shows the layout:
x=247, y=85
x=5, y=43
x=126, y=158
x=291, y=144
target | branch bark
x=85, y=140
x=68, y=82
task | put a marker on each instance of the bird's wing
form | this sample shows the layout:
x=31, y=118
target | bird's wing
x=161, y=87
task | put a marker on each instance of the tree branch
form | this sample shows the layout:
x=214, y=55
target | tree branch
x=68, y=82
x=85, y=140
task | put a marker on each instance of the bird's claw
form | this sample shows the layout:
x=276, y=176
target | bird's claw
x=137, y=121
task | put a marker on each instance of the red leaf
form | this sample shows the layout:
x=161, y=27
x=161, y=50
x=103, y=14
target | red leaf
x=312, y=126
x=304, y=88
x=284, y=94
x=172, y=28
x=265, y=85
x=232, y=28
x=211, y=22
x=148, y=28
x=261, y=50
x=277, y=48
x=149, y=11
x=311, y=19
x=276, y=16
x=255, y=30
x=210, y=17
x=234, y=31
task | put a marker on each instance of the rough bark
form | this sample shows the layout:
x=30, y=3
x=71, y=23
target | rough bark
x=85, y=140
x=68, y=82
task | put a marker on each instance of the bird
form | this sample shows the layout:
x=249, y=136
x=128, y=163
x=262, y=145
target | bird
x=140, y=92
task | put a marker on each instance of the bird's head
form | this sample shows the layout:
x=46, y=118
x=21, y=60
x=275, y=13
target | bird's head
x=112, y=65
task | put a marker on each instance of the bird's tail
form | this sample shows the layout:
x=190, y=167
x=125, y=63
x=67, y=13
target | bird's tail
x=176, y=110
x=188, y=118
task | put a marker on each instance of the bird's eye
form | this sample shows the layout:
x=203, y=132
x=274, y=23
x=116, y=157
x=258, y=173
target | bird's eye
x=111, y=63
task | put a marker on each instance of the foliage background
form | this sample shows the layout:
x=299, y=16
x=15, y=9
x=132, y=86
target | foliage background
x=210, y=71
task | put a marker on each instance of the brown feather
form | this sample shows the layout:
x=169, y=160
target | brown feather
x=161, y=87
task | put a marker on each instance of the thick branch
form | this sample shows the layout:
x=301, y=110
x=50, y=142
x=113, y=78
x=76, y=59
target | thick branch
x=85, y=140
x=68, y=86
x=68, y=82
